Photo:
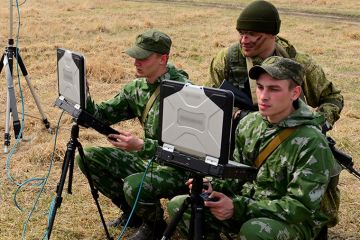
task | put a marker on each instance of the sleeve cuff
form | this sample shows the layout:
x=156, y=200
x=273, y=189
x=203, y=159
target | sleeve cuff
x=149, y=148
x=240, y=207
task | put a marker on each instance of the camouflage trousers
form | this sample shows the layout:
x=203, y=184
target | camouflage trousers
x=249, y=229
x=117, y=174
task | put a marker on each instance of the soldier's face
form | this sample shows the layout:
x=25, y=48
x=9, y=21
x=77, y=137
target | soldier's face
x=254, y=44
x=150, y=67
x=275, y=97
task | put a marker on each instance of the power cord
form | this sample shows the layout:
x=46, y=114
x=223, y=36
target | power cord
x=137, y=197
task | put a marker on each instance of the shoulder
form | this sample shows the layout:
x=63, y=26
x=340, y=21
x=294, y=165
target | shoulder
x=221, y=54
x=309, y=138
x=135, y=84
x=309, y=147
x=251, y=121
x=283, y=41
x=308, y=62
x=300, y=57
x=313, y=149
x=310, y=131
x=224, y=55
x=285, y=48
x=303, y=58
x=177, y=74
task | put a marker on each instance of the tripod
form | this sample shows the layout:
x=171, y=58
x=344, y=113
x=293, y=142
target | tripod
x=68, y=165
x=7, y=61
x=197, y=208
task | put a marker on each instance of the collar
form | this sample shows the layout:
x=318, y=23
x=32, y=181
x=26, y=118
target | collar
x=165, y=76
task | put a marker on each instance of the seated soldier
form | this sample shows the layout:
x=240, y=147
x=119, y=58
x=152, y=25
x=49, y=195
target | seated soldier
x=123, y=164
x=286, y=199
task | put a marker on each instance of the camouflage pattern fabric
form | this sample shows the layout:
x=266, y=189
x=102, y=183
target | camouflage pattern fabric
x=319, y=92
x=109, y=166
x=284, y=201
x=279, y=68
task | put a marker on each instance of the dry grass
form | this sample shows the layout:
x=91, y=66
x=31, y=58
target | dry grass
x=345, y=8
x=102, y=29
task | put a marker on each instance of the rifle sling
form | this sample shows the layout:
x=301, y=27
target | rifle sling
x=149, y=104
x=252, y=83
x=281, y=137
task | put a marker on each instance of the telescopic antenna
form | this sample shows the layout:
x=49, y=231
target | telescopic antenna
x=11, y=40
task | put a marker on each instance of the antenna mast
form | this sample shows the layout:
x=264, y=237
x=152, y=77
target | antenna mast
x=11, y=40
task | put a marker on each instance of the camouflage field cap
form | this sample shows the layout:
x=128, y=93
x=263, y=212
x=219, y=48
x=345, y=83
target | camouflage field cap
x=152, y=41
x=279, y=68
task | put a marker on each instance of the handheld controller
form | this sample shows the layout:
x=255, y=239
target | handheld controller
x=205, y=197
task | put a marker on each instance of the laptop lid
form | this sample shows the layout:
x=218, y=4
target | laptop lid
x=71, y=77
x=196, y=120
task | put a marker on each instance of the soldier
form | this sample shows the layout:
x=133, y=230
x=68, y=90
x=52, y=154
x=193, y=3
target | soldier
x=286, y=199
x=110, y=167
x=258, y=26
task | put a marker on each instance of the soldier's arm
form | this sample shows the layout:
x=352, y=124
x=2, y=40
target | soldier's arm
x=320, y=93
x=217, y=69
x=149, y=148
x=113, y=110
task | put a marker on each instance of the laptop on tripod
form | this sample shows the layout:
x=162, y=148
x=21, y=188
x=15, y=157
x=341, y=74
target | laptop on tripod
x=72, y=90
x=195, y=130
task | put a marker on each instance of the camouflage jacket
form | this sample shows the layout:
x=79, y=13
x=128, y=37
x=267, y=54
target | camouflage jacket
x=319, y=92
x=130, y=102
x=292, y=181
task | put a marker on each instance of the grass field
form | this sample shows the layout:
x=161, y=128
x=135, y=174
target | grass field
x=101, y=30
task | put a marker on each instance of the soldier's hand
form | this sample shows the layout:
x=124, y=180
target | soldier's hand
x=222, y=208
x=126, y=141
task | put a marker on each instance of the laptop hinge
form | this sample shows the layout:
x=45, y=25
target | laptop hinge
x=212, y=160
x=168, y=147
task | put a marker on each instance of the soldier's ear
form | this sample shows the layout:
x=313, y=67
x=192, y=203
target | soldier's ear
x=164, y=59
x=296, y=92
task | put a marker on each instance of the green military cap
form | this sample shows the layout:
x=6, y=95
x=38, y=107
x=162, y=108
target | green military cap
x=152, y=41
x=279, y=68
x=259, y=16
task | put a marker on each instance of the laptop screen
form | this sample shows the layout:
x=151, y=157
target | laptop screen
x=196, y=120
x=71, y=77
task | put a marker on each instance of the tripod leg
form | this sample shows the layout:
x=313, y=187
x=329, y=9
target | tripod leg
x=174, y=222
x=198, y=220
x=8, y=60
x=94, y=191
x=7, y=124
x=197, y=209
x=70, y=153
x=2, y=62
x=32, y=90
x=7, y=113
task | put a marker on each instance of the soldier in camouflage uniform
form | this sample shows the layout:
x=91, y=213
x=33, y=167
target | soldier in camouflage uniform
x=286, y=199
x=258, y=26
x=113, y=167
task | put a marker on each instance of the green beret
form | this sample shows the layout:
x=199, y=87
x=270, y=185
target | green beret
x=259, y=16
